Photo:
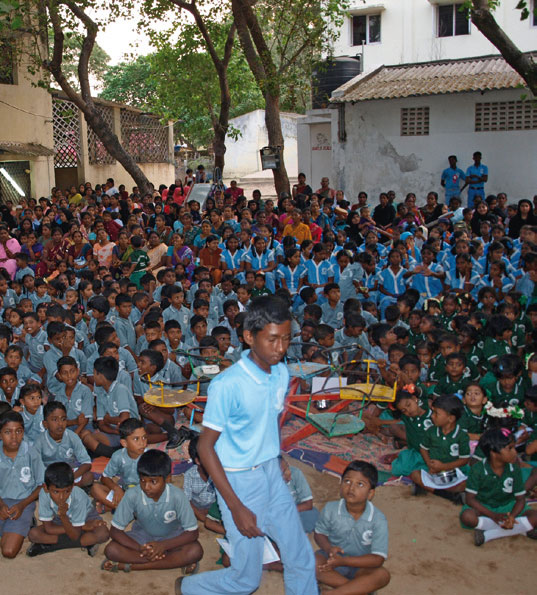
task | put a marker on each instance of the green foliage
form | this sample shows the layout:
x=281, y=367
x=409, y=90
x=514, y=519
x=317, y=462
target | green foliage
x=131, y=83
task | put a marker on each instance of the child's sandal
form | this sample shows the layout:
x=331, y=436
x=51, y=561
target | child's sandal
x=190, y=569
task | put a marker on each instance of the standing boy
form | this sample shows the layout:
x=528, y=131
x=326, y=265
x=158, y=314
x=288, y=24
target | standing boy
x=239, y=448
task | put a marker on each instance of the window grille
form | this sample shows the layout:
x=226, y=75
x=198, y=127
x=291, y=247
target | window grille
x=14, y=178
x=66, y=132
x=414, y=121
x=97, y=153
x=505, y=115
x=144, y=137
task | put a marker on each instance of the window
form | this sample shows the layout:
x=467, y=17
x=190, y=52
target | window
x=365, y=29
x=533, y=15
x=414, y=121
x=505, y=115
x=452, y=20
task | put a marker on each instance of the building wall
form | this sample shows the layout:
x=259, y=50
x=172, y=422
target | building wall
x=409, y=33
x=26, y=116
x=242, y=155
x=377, y=158
x=315, y=146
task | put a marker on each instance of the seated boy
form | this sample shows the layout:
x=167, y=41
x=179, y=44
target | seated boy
x=77, y=397
x=353, y=535
x=31, y=398
x=150, y=365
x=21, y=476
x=56, y=445
x=9, y=386
x=301, y=492
x=165, y=531
x=122, y=464
x=198, y=487
x=69, y=519
x=114, y=405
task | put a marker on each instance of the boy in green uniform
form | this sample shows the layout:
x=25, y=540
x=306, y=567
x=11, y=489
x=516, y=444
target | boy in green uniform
x=445, y=447
x=139, y=261
x=495, y=492
x=453, y=382
x=509, y=385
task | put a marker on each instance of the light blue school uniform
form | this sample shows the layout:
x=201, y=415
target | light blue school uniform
x=392, y=282
x=79, y=507
x=451, y=178
x=126, y=361
x=301, y=492
x=123, y=377
x=345, y=279
x=20, y=274
x=111, y=317
x=20, y=476
x=318, y=273
x=50, y=361
x=232, y=259
x=140, y=387
x=428, y=287
x=458, y=282
x=36, y=300
x=291, y=276
x=69, y=450
x=10, y=298
x=222, y=298
x=332, y=316
x=80, y=401
x=24, y=374
x=182, y=316
x=116, y=401
x=157, y=294
x=126, y=333
x=123, y=466
x=135, y=315
x=244, y=404
x=33, y=424
x=262, y=261
x=507, y=283
x=360, y=537
x=14, y=396
x=170, y=515
x=476, y=188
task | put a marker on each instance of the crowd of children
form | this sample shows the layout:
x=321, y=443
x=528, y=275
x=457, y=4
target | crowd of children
x=101, y=296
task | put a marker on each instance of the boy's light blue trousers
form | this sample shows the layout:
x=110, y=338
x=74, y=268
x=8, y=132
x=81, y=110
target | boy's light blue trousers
x=264, y=492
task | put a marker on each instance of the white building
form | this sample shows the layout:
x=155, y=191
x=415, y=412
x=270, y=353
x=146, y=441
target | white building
x=242, y=154
x=432, y=86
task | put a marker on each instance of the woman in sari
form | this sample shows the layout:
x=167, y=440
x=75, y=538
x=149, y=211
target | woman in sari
x=8, y=248
x=34, y=250
x=56, y=250
x=79, y=252
x=178, y=253
x=121, y=252
x=156, y=251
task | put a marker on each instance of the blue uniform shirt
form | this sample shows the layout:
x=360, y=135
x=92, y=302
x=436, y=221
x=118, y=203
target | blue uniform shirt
x=118, y=400
x=69, y=450
x=78, y=507
x=80, y=401
x=123, y=466
x=20, y=476
x=33, y=424
x=171, y=515
x=243, y=404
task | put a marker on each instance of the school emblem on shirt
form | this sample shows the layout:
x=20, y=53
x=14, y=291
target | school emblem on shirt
x=513, y=402
x=26, y=474
x=121, y=364
x=427, y=424
x=339, y=316
x=69, y=453
x=41, y=427
x=508, y=485
x=78, y=404
x=170, y=516
x=115, y=408
x=40, y=349
x=367, y=537
x=454, y=450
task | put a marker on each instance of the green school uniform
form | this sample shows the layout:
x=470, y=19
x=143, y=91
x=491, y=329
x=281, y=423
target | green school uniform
x=447, y=386
x=446, y=448
x=142, y=261
x=410, y=459
x=492, y=490
x=494, y=348
x=472, y=423
x=500, y=397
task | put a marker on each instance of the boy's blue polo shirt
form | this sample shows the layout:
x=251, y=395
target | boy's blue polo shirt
x=366, y=535
x=79, y=506
x=243, y=404
x=70, y=450
x=20, y=476
x=118, y=400
x=33, y=424
x=81, y=401
x=125, y=331
x=171, y=515
x=36, y=348
x=123, y=466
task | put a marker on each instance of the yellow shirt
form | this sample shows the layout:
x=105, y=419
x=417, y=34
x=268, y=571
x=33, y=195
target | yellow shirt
x=300, y=232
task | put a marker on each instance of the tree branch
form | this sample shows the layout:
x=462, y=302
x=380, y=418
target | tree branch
x=522, y=63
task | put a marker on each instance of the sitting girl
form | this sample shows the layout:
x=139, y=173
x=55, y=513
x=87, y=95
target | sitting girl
x=495, y=493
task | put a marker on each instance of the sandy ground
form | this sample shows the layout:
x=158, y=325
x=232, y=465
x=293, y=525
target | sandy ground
x=429, y=554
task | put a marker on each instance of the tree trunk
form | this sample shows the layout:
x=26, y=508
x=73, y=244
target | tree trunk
x=275, y=136
x=262, y=66
x=115, y=148
x=518, y=60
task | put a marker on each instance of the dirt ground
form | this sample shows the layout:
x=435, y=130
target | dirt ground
x=429, y=554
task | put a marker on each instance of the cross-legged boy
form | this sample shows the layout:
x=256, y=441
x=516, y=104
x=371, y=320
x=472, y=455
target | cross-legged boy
x=239, y=448
x=21, y=476
x=353, y=536
x=69, y=519
x=165, y=532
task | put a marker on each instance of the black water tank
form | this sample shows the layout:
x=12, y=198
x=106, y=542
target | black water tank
x=329, y=75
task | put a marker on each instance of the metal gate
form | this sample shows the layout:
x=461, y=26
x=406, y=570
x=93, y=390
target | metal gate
x=14, y=181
